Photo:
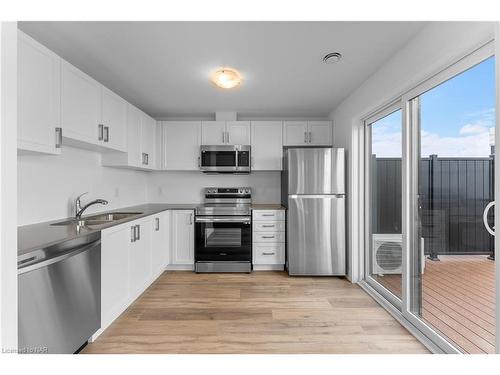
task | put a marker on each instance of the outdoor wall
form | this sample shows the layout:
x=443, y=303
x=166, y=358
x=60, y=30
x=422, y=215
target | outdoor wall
x=48, y=185
x=431, y=50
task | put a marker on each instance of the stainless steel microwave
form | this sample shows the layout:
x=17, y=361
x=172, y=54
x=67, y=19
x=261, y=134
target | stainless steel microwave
x=225, y=159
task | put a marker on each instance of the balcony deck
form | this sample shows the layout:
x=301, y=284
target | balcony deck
x=458, y=299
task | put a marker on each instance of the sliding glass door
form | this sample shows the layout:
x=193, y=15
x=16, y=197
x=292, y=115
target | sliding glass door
x=451, y=267
x=429, y=181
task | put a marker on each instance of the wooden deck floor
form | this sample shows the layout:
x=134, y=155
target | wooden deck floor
x=263, y=312
x=458, y=299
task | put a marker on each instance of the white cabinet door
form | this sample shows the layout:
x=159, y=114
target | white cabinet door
x=295, y=133
x=213, y=132
x=238, y=132
x=160, y=243
x=39, y=96
x=80, y=105
x=181, y=145
x=114, y=272
x=148, y=126
x=182, y=237
x=140, y=257
x=267, y=145
x=320, y=132
x=134, y=136
x=114, y=120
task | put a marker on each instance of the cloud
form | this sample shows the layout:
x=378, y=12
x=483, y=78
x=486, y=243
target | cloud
x=472, y=129
x=472, y=140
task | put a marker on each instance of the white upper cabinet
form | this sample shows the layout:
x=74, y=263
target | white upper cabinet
x=238, y=132
x=295, y=133
x=114, y=120
x=39, y=96
x=309, y=133
x=148, y=134
x=134, y=137
x=213, y=132
x=320, y=132
x=181, y=145
x=225, y=132
x=80, y=106
x=141, y=143
x=267, y=145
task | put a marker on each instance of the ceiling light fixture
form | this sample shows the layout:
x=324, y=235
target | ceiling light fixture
x=332, y=58
x=226, y=78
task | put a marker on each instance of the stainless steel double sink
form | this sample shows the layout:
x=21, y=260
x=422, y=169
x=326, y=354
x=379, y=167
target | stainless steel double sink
x=98, y=219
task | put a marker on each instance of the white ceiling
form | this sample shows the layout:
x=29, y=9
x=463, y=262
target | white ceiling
x=164, y=67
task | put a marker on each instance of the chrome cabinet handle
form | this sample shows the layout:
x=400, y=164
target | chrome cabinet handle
x=106, y=134
x=190, y=219
x=100, y=132
x=268, y=253
x=147, y=158
x=132, y=233
x=267, y=236
x=310, y=137
x=58, y=137
x=305, y=137
x=227, y=137
x=267, y=225
x=223, y=137
x=157, y=224
x=144, y=158
x=268, y=215
x=138, y=232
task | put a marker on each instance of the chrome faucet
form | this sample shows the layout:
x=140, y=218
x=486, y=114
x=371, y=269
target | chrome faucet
x=78, y=206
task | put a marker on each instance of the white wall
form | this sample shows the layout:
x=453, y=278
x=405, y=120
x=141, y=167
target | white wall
x=187, y=187
x=431, y=50
x=8, y=230
x=48, y=185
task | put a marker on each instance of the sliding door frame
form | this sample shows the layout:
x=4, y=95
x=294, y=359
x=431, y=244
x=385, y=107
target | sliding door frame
x=411, y=158
x=368, y=122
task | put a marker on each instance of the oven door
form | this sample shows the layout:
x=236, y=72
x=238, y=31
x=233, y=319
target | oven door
x=223, y=238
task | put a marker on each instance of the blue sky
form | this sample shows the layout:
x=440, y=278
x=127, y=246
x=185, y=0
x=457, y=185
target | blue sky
x=455, y=117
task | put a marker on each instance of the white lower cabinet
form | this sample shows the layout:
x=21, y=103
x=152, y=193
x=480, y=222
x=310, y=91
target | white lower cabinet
x=268, y=245
x=133, y=255
x=140, y=256
x=160, y=243
x=115, y=243
x=182, y=239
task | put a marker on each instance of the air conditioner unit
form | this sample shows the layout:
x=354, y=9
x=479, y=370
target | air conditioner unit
x=387, y=256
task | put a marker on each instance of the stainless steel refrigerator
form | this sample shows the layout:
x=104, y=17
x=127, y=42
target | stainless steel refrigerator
x=313, y=190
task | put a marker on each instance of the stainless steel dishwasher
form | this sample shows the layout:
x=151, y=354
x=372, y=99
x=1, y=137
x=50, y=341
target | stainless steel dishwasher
x=60, y=296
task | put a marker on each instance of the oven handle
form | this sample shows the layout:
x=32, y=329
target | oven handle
x=223, y=219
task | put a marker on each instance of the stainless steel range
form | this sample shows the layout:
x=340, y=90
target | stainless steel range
x=223, y=231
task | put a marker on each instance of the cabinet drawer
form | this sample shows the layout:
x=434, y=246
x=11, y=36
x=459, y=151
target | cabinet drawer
x=269, y=226
x=268, y=237
x=269, y=215
x=269, y=254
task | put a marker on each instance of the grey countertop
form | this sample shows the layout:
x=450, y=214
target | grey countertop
x=40, y=235
x=35, y=236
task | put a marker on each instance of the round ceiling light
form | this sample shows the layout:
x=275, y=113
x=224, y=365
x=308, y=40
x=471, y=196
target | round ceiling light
x=226, y=78
x=332, y=58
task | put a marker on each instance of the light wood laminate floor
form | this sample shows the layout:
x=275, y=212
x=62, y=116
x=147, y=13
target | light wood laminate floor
x=262, y=312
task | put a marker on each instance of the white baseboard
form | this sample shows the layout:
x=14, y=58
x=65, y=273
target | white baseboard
x=268, y=267
x=180, y=267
